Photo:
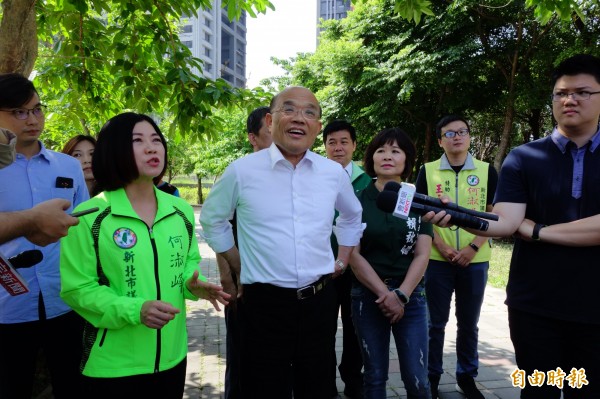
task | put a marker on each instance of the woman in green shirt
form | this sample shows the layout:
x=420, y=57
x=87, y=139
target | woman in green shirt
x=128, y=268
x=388, y=292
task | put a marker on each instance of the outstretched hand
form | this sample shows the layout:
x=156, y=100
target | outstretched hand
x=441, y=219
x=211, y=292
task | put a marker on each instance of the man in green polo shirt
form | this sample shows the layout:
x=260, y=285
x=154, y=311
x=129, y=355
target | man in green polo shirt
x=339, y=137
x=459, y=260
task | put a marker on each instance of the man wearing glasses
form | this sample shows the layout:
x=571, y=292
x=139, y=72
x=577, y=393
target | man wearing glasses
x=38, y=319
x=548, y=193
x=459, y=260
x=285, y=198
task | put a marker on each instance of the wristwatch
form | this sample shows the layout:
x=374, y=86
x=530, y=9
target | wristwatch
x=474, y=247
x=536, y=231
x=401, y=295
x=341, y=265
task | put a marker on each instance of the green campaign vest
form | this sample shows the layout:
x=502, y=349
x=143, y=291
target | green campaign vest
x=468, y=188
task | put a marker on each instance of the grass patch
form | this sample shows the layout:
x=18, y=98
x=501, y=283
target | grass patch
x=184, y=180
x=190, y=194
x=500, y=262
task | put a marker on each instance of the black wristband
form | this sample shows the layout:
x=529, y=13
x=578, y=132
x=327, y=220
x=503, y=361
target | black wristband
x=402, y=296
x=536, y=231
x=475, y=247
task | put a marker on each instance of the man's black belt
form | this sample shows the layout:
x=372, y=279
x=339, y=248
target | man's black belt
x=312, y=289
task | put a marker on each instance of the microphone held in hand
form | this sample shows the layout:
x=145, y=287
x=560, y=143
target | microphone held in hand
x=10, y=279
x=436, y=202
x=26, y=259
x=399, y=199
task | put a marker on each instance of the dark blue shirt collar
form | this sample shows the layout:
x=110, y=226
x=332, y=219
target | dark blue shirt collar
x=562, y=141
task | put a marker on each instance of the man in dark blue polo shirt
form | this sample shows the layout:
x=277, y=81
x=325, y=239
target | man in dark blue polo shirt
x=549, y=192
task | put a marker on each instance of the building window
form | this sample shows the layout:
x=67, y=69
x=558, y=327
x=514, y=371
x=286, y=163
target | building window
x=207, y=36
x=207, y=52
x=207, y=23
x=225, y=19
x=228, y=77
x=188, y=43
x=208, y=67
x=187, y=29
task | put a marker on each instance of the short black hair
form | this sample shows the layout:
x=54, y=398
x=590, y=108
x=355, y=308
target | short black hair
x=389, y=136
x=449, y=119
x=15, y=90
x=578, y=64
x=113, y=162
x=255, y=120
x=338, y=125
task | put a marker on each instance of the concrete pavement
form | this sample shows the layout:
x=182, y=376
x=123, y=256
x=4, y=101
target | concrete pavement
x=206, y=342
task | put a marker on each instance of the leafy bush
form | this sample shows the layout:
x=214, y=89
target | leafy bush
x=190, y=194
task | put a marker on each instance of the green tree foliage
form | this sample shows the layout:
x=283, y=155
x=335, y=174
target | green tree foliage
x=488, y=61
x=232, y=143
x=544, y=10
x=100, y=57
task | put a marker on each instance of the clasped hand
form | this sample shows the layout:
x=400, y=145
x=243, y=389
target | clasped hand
x=390, y=306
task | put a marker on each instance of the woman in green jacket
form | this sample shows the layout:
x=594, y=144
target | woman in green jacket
x=128, y=268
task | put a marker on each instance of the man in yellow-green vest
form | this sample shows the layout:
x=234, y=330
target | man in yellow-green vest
x=459, y=260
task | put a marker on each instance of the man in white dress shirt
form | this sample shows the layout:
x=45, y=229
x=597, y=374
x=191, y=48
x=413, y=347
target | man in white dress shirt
x=285, y=198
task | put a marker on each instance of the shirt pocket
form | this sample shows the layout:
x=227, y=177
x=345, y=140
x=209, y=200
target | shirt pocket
x=64, y=193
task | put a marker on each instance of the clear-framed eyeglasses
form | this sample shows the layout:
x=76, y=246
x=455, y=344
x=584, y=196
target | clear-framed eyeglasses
x=23, y=113
x=307, y=113
x=449, y=134
x=581, y=95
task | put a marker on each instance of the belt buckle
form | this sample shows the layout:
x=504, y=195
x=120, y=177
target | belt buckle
x=309, y=290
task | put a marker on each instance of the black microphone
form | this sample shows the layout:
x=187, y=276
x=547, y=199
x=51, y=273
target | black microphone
x=390, y=202
x=436, y=202
x=10, y=279
x=26, y=259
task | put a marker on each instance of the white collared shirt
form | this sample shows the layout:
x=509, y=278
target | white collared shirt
x=284, y=216
x=348, y=169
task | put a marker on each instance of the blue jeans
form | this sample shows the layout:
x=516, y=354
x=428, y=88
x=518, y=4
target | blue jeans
x=468, y=284
x=410, y=334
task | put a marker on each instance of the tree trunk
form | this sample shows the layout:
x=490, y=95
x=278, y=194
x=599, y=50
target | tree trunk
x=428, y=143
x=509, y=117
x=535, y=123
x=18, y=37
x=200, y=198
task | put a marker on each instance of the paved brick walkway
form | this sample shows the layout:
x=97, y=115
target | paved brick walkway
x=206, y=359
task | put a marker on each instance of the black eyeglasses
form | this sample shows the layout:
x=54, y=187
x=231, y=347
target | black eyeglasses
x=449, y=134
x=23, y=113
x=576, y=95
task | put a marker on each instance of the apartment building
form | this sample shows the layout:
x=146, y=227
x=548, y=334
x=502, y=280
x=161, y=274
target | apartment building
x=218, y=42
x=333, y=9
